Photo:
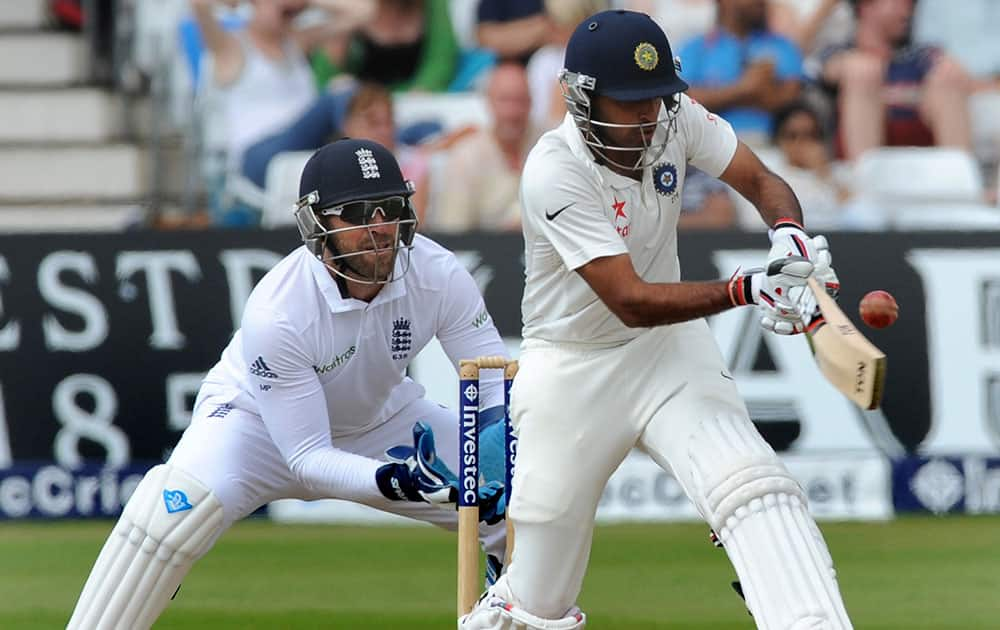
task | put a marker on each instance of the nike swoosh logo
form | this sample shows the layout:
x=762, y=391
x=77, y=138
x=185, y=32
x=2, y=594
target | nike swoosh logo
x=552, y=215
x=724, y=375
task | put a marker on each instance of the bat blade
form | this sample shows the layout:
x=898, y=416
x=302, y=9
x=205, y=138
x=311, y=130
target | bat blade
x=846, y=358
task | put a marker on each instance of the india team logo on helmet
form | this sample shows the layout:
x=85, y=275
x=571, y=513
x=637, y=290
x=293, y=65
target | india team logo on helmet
x=646, y=56
x=665, y=179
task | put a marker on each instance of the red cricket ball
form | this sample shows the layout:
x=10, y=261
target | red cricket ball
x=878, y=309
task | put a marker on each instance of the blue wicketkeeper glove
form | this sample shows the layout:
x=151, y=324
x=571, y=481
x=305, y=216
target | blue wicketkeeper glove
x=419, y=475
x=416, y=473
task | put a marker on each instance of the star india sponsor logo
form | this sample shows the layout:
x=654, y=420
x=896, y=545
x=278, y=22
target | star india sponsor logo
x=369, y=167
x=259, y=368
x=623, y=224
x=337, y=361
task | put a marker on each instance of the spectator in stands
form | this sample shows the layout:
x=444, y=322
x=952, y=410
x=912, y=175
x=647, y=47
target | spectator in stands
x=262, y=78
x=681, y=20
x=706, y=203
x=813, y=25
x=547, y=105
x=892, y=92
x=807, y=166
x=969, y=34
x=362, y=110
x=406, y=45
x=481, y=176
x=513, y=29
x=743, y=71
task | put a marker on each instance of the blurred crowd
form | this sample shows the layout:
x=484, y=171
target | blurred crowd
x=825, y=91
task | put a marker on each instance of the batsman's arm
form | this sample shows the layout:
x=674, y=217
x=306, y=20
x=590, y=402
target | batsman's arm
x=638, y=303
x=767, y=191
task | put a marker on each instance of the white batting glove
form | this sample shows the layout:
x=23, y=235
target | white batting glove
x=824, y=272
x=789, y=238
x=776, y=291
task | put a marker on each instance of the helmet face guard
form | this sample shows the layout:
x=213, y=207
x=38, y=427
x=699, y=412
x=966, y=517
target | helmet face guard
x=577, y=89
x=624, y=56
x=321, y=242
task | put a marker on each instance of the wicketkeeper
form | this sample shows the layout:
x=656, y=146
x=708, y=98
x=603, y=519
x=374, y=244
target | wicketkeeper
x=309, y=399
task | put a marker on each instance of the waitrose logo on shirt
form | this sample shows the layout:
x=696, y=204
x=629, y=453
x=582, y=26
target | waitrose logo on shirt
x=338, y=361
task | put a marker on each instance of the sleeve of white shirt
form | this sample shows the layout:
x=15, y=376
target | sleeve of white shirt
x=710, y=141
x=466, y=330
x=561, y=197
x=293, y=407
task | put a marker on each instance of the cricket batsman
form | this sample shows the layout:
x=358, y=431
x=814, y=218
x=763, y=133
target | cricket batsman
x=617, y=354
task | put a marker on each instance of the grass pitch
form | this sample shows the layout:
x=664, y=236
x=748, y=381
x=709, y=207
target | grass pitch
x=913, y=573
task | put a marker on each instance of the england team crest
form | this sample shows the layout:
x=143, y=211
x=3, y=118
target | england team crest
x=665, y=179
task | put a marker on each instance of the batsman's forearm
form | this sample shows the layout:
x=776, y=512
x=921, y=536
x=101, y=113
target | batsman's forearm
x=672, y=303
x=775, y=200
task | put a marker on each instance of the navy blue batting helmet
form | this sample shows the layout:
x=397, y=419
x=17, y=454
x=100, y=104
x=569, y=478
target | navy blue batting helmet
x=626, y=54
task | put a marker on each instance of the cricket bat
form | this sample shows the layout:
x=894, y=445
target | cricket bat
x=846, y=358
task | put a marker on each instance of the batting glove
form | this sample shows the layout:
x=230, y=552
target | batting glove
x=789, y=238
x=776, y=290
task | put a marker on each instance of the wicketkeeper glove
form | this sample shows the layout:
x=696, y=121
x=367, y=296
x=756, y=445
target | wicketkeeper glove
x=416, y=473
x=776, y=291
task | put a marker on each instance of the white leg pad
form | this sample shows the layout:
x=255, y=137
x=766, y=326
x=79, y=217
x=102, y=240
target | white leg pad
x=760, y=515
x=494, y=611
x=169, y=522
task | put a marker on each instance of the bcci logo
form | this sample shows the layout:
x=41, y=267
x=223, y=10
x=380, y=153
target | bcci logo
x=665, y=179
x=402, y=338
x=646, y=56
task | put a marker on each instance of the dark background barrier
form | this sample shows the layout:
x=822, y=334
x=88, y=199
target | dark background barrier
x=103, y=338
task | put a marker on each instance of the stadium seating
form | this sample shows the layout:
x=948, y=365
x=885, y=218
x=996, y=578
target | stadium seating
x=921, y=188
x=283, y=173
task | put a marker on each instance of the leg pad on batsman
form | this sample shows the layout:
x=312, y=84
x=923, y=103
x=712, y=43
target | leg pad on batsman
x=169, y=522
x=759, y=513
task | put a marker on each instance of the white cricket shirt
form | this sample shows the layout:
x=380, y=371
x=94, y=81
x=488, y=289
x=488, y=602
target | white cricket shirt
x=316, y=365
x=575, y=210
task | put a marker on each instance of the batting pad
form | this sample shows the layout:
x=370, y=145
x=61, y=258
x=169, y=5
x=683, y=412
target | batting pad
x=170, y=521
x=759, y=513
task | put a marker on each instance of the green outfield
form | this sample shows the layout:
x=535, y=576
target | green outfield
x=911, y=573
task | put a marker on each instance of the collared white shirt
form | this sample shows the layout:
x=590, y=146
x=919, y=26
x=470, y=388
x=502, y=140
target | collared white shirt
x=575, y=210
x=316, y=365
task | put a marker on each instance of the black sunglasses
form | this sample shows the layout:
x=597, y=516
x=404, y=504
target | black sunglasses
x=362, y=212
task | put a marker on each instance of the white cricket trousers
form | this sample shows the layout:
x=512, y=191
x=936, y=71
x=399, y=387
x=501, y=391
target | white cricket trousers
x=230, y=451
x=578, y=412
